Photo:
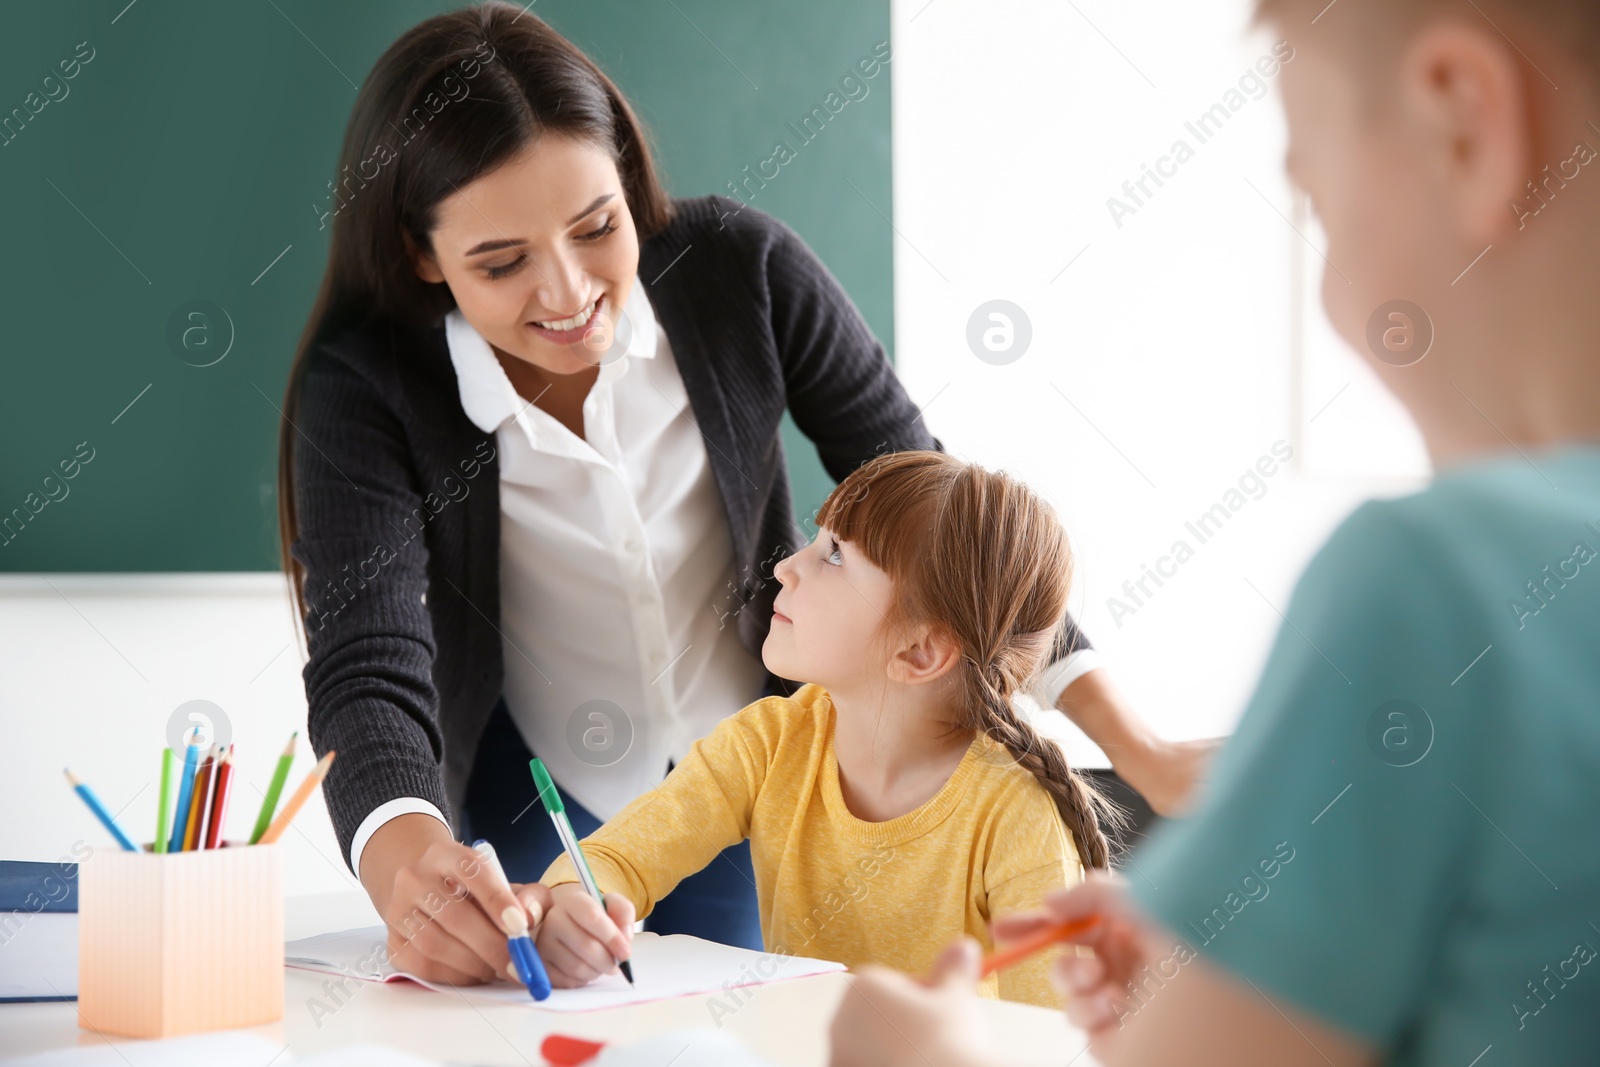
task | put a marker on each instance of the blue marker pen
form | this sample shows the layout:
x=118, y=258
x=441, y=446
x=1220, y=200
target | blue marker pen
x=530, y=968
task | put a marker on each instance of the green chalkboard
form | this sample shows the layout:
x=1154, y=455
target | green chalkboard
x=162, y=152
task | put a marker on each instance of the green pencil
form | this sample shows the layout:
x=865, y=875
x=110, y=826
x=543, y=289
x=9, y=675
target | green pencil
x=269, y=803
x=557, y=810
x=164, y=805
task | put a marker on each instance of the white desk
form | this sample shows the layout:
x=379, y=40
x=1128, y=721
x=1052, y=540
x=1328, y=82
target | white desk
x=786, y=1022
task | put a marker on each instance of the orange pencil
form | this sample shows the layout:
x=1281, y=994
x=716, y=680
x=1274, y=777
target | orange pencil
x=296, y=802
x=219, y=802
x=1024, y=947
x=202, y=800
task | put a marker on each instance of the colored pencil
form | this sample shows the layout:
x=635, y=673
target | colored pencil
x=219, y=802
x=296, y=802
x=100, y=812
x=205, y=803
x=180, y=816
x=164, y=805
x=269, y=803
x=198, y=801
x=1038, y=940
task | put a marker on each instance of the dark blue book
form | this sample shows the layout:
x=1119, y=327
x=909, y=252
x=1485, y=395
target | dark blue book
x=38, y=930
x=27, y=885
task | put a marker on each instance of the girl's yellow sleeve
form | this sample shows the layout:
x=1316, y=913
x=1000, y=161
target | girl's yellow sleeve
x=1033, y=855
x=1029, y=981
x=680, y=826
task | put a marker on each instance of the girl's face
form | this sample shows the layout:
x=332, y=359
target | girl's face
x=540, y=254
x=826, y=616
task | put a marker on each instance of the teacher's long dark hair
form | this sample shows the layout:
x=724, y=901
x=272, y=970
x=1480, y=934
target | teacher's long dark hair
x=451, y=100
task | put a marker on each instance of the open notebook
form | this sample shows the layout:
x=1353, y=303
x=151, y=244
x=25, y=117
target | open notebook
x=674, y=965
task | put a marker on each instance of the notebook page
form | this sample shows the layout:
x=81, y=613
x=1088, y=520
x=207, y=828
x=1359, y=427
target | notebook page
x=674, y=965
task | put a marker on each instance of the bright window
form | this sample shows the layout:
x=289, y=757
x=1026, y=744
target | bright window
x=1114, y=171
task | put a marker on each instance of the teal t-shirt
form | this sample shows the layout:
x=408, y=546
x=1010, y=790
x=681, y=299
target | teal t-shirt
x=1403, y=837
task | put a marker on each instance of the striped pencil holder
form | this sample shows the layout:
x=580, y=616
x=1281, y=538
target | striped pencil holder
x=180, y=942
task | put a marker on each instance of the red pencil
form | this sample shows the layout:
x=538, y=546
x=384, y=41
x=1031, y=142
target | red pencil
x=1034, y=942
x=219, y=802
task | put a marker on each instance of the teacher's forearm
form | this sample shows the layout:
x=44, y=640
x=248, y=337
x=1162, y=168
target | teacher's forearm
x=395, y=845
x=1165, y=773
x=1097, y=707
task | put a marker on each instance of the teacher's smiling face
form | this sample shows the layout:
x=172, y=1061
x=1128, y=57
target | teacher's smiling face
x=540, y=254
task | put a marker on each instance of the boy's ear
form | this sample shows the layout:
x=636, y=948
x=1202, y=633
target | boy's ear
x=1465, y=93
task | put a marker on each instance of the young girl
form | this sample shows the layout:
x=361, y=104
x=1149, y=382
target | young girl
x=897, y=800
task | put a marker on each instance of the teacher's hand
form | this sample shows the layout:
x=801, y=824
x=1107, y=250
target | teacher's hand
x=444, y=906
x=1167, y=773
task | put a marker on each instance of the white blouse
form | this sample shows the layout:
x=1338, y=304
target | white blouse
x=616, y=567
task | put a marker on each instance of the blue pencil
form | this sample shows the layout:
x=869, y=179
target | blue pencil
x=191, y=762
x=101, y=813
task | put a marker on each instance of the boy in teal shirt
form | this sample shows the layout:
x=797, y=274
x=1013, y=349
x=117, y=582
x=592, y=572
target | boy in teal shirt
x=1395, y=858
x=1397, y=841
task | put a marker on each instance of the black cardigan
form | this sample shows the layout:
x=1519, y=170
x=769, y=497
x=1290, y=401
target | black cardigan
x=403, y=631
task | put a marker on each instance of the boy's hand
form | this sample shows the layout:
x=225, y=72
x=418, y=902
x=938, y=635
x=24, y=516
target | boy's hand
x=1097, y=986
x=578, y=941
x=890, y=1020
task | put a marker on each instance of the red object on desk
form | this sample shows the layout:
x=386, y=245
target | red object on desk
x=566, y=1051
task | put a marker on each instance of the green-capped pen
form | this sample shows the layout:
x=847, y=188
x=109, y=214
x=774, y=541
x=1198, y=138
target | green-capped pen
x=269, y=803
x=569, y=841
x=164, y=803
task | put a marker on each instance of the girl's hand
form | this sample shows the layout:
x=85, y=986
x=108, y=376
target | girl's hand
x=578, y=941
x=444, y=906
x=890, y=1020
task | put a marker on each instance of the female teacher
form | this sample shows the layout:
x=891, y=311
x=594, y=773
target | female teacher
x=532, y=483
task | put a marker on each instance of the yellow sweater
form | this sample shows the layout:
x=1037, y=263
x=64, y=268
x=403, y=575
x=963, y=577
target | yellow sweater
x=830, y=885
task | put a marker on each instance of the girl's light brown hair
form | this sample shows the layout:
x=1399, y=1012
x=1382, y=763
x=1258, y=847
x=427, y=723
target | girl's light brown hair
x=980, y=556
